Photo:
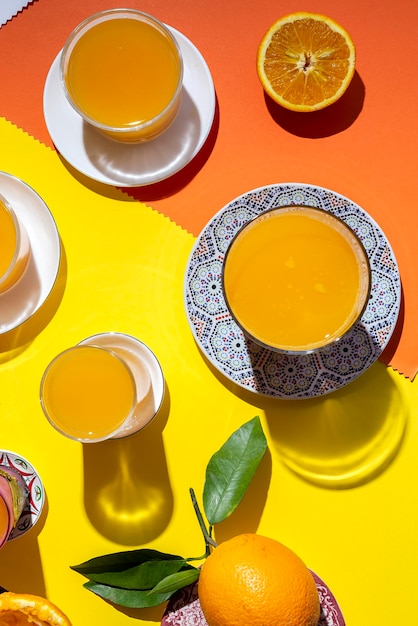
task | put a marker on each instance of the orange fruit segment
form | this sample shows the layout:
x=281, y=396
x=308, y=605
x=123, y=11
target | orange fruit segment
x=21, y=609
x=306, y=61
x=252, y=579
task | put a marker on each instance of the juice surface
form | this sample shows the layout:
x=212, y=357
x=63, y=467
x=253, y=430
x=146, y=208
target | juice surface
x=123, y=72
x=294, y=281
x=88, y=392
x=8, y=239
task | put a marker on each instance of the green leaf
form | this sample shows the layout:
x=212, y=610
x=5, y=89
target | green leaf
x=134, y=569
x=172, y=583
x=131, y=598
x=230, y=470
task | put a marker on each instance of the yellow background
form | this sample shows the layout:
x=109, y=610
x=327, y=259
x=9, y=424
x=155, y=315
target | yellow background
x=354, y=523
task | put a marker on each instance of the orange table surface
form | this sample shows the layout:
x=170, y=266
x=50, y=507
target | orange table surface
x=354, y=519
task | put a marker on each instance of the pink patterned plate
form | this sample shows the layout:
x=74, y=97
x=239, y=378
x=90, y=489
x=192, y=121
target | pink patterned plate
x=184, y=609
x=35, y=502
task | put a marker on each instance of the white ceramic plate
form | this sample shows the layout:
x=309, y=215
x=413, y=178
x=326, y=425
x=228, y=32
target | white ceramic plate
x=35, y=502
x=20, y=302
x=115, y=163
x=183, y=608
x=264, y=371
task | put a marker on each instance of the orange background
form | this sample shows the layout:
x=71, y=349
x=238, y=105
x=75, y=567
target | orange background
x=362, y=147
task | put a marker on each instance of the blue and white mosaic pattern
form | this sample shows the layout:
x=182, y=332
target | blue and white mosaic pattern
x=259, y=369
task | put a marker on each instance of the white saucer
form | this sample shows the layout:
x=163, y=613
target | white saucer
x=139, y=358
x=262, y=370
x=36, y=499
x=134, y=165
x=20, y=302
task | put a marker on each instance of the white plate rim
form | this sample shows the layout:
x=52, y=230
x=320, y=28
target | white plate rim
x=44, y=238
x=33, y=508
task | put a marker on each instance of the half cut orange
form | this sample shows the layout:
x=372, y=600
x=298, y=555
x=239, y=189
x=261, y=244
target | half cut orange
x=306, y=61
x=20, y=609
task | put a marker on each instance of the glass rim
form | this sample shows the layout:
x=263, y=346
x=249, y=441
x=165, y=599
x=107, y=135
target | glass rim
x=365, y=295
x=77, y=347
x=99, y=17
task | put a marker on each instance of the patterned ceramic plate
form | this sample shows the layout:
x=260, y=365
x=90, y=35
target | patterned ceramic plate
x=36, y=499
x=184, y=608
x=259, y=369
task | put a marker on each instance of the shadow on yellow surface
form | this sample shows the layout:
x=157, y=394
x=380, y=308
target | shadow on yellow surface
x=14, y=341
x=127, y=492
x=21, y=564
x=340, y=440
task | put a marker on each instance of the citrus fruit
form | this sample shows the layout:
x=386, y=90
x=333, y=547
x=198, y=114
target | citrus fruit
x=19, y=609
x=306, y=61
x=252, y=579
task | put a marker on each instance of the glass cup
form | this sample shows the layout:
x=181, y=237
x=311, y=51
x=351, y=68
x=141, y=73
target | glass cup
x=99, y=389
x=296, y=279
x=14, y=248
x=122, y=71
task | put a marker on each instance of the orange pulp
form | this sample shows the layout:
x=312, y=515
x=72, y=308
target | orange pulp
x=123, y=72
x=296, y=278
x=88, y=392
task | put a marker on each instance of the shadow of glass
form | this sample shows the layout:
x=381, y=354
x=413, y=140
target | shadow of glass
x=127, y=493
x=14, y=341
x=153, y=191
x=340, y=440
x=325, y=122
x=344, y=439
x=183, y=177
x=21, y=563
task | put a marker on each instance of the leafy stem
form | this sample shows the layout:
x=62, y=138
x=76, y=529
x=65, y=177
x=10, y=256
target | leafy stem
x=209, y=541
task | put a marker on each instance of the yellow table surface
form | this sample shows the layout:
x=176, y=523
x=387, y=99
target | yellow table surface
x=123, y=268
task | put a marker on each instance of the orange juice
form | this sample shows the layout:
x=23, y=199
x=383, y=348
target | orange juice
x=9, y=241
x=87, y=393
x=122, y=70
x=13, y=249
x=296, y=278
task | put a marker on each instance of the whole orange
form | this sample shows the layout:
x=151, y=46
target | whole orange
x=254, y=580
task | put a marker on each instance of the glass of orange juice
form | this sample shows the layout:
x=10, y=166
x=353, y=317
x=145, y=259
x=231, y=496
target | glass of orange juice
x=296, y=279
x=14, y=248
x=122, y=71
x=97, y=390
